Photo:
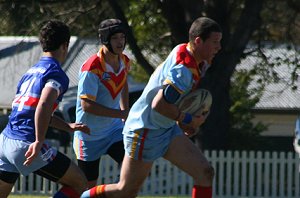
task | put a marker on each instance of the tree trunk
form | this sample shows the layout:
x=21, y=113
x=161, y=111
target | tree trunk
x=131, y=39
x=217, y=80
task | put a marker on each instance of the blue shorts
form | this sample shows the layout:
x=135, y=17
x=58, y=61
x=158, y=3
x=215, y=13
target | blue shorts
x=93, y=150
x=12, y=156
x=148, y=144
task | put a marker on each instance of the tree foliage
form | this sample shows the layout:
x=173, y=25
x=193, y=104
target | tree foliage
x=155, y=26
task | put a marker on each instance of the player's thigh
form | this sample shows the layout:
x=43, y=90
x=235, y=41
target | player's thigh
x=133, y=173
x=116, y=151
x=75, y=178
x=183, y=153
x=90, y=168
x=5, y=188
x=61, y=169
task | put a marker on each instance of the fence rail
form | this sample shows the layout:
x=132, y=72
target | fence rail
x=248, y=174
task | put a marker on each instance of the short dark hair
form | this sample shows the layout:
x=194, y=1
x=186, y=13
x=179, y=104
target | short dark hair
x=53, y=34
x=202, y=27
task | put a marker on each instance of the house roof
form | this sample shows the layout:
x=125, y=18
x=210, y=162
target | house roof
x=276, y=95
x=17, y=54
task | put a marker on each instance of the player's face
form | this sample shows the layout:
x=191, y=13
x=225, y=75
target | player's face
x=117, y=42
x=211, y=46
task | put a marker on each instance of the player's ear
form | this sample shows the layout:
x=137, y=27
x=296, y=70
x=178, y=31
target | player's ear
x=65, y=45
x=198, y=40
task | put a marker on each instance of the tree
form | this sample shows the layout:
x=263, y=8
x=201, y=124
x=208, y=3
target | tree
x=158, y=25
x=242, y=22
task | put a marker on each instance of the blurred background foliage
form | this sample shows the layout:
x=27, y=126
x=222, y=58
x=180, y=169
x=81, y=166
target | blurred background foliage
x=156, y=26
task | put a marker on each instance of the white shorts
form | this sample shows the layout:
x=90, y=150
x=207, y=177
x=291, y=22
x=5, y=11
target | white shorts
x=149, y=144
x=12, y=156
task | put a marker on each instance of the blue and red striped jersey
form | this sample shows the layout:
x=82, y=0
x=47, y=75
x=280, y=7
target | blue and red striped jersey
x=47, y=72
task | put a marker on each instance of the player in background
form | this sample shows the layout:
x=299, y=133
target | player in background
x=296, y=142
x=102, y=101
x=23, y=148
x=151, y=130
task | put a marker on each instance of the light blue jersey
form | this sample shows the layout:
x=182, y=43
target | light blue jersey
x=143, y=123
x=101, y=84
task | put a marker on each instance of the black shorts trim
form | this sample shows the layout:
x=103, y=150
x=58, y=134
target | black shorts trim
x=9, y=177
x=56, y=169
x=116, y=151
x=90, y=169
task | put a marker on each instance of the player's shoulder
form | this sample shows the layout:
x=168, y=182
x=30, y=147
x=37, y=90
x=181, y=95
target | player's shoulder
x=93, y=62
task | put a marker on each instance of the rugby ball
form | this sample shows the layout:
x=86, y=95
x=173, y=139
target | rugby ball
x=196, y=103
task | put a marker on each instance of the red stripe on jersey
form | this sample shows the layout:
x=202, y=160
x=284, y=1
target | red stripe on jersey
x=142, y=143
x=28, y=101
x=31, y=102
x=185, y=58
x=80, y=150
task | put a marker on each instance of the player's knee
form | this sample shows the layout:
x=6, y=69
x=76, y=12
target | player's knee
x=129, y=191
x=78, y=181
x=209, y=172
x=205, y=175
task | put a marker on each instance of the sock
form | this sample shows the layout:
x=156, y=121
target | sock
x=66, y=192
x=201, y=192
x=95, y=192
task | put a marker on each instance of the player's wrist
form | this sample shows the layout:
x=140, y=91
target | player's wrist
x=180, y=116
x=184, y=118
x=187, y=118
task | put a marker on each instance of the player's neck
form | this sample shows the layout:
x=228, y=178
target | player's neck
x=112, y=59
x=193, y=52
x=53, y=55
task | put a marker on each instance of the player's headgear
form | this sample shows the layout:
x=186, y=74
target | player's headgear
x=109, y=27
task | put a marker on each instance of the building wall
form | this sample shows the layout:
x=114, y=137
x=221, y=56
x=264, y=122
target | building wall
x=279, y=124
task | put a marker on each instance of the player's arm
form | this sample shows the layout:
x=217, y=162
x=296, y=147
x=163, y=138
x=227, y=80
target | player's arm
x=43, y=112
x=95, y=108
x=59, y=123
x=164, y=103
x=88, y=87
x=41, y=118
x=124, y=102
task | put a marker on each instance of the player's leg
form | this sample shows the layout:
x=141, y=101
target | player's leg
x=64, y=171
x=8, y=171
x=135, y=168
x=90, y=170
x=133, y=174
x=7, y=181
x=116, y=151
x=88, y=154
x=185, y=155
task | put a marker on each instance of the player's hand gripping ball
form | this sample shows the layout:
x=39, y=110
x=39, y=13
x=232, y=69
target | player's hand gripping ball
x=197, y=103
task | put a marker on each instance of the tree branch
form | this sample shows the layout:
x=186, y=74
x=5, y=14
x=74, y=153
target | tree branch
x=131, y=39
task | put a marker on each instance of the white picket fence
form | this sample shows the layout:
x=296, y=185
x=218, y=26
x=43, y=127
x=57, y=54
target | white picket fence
x=238, y=174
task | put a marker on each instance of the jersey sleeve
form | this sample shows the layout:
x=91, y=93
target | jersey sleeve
x=88, y=85
x=55, y=85
x=180, y=78
x=57, y=80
